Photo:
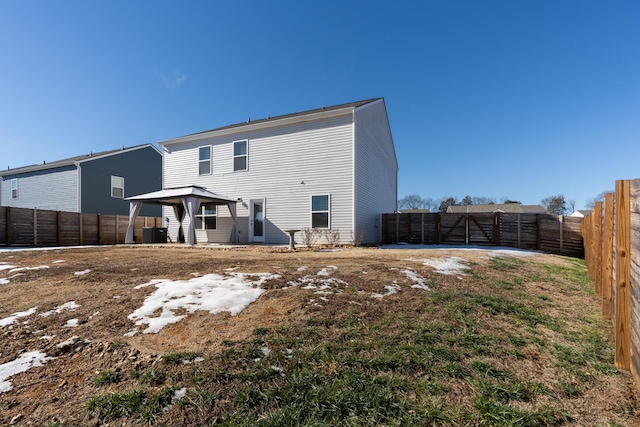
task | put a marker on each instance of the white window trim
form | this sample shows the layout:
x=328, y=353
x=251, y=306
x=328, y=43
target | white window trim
x=115, y=186
x=328, y=211
x=14, y=188
x=246, y=155
x=202, y=215
x=210, y=160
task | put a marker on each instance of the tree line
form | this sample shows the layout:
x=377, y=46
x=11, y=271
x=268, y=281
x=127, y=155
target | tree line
x=556, y=204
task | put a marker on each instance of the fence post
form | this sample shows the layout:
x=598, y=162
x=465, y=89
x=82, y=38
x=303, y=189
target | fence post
x=607, y=255
x=519, y=231
x=597, y=241
x=497, y=232
x=560, y=230
x=422, y=226
x=466, y=230
x=623, y=275
x=438, y=219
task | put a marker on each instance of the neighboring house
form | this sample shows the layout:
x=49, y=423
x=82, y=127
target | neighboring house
x=497, y=207
x=580, y=213
x=332, y=168
x=92, y=183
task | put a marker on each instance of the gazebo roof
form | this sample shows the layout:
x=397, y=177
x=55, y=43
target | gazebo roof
x=174, y=196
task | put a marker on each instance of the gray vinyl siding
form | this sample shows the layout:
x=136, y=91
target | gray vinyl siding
x=376, y=170
x=141, y=170
x=51, y=189
x=286, y=166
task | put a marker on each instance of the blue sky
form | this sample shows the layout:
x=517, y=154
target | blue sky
x=519, y=99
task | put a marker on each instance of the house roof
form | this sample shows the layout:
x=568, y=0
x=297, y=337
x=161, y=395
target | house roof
x=73, y=160
x=268, y=120
x=174, y=196
x=497, y=207
x=581, y=213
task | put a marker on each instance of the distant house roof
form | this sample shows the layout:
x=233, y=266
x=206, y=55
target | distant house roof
x=73, y=160
x=270, y=119
x=581, y=213
x=497, y=207
x=415, y=211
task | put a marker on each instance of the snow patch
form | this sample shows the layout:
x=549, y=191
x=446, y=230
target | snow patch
x=390, y=290
x=6, y=266
x=23, y=363
x=82, y=273
x=177, y=395
x=71, y=323
x=40, y=267
x=15, y=316
x=416, y=278
x=212, y=292
x=449, y=266
x=71, y=305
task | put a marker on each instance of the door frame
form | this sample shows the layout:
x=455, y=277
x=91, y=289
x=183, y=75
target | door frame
x=252, y=237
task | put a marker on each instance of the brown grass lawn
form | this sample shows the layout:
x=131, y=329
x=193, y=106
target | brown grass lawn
x=336, y=338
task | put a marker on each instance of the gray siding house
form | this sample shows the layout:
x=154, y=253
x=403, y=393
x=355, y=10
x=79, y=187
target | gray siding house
x=332, y=168
x=92, y=183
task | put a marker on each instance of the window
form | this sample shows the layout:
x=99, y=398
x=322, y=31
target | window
x=117, y=187
x=14, y=188
x=240, y=155
x=204, y=160
x=320, y=210
x=206, y=218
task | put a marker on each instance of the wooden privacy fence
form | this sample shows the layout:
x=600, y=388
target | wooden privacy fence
x=612, y=252
x=35, y=227
x=549, y=233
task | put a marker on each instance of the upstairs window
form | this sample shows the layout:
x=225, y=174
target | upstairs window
x=320, y=211
x=206, y=218
x=204, y=160
x=240, y=155
x=117, y=187
x=14, y=188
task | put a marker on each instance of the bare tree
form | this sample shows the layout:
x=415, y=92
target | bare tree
x=555, y=205
x=590, y=203
x=430, y=204
x=412, y=201
x=468, y=200
x=483, y=200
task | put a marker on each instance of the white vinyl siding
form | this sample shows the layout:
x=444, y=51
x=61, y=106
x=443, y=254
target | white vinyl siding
x=376, y=170
x=288, y=165
x=35, y=191
x=117, y=187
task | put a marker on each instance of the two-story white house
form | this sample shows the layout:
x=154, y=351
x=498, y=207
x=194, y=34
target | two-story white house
x=333, y=168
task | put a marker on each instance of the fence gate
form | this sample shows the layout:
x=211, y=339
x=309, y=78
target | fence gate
x=465, y=229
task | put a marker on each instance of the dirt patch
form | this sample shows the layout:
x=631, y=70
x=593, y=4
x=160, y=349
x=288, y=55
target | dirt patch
x=89, y=294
